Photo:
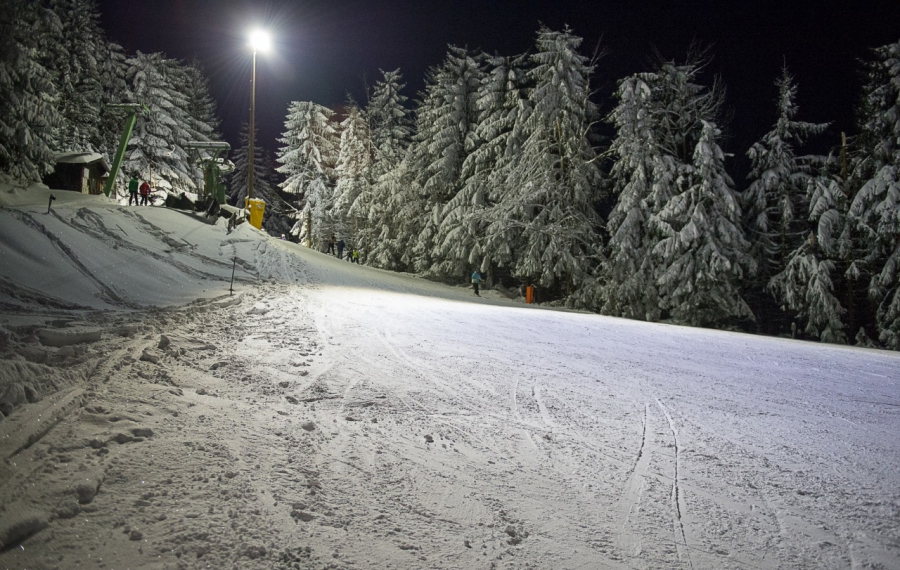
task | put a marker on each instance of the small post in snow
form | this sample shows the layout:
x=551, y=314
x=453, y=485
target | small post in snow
x=233, y=264
x=50, y=204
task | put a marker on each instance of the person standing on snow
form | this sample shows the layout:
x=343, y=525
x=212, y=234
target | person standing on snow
x=330, y=245
x=476, y=280
x=145, y=194
x=133, y=190
x=341, y=245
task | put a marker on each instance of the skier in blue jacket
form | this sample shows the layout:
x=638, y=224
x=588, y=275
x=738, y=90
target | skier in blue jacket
x=476, y=280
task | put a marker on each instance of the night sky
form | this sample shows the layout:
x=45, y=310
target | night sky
x=327, y=50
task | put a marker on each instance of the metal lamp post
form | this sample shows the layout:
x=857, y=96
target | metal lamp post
x=259, y=41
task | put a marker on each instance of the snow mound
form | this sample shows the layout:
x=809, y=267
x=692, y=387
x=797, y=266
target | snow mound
x=89, y=253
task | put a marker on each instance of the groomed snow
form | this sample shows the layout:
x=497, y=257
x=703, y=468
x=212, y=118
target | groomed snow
x=331, y=415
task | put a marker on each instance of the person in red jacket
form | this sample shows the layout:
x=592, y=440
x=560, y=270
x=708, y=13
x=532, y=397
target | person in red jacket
x=145, y=194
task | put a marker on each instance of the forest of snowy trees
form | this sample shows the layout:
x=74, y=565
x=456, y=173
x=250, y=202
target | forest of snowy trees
x=58, y=73
x=498, y=165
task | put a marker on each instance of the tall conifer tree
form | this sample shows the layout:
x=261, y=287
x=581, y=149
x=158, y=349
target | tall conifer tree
x=875, y=210
x=28, y=96
x=156, y=148
x=307, y=161
x=776, y=201
x=677, y=248
x=74, y=61
x=445, y=121
x=462, y=243
x=391, y=131
x=353, y=173
x=546, y=212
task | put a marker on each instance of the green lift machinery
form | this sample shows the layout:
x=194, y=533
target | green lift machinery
x=210, y=155
x=131, y=111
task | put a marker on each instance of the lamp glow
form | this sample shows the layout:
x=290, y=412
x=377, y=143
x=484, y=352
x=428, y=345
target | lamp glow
x=260, y=41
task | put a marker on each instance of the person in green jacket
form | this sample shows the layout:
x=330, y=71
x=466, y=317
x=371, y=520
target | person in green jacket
x=133, y=190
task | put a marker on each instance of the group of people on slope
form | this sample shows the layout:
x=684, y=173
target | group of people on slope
x=352, y=252
x=134, y=186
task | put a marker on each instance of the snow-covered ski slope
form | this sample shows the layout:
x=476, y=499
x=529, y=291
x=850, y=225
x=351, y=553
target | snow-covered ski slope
x=389, y=422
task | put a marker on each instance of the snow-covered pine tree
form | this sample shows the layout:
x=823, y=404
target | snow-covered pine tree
x=806, y=285
x=156, y=147
x=875, y=210
x=197, y=107
x=73, y=59
x=28, y=97
x=307, y=161
x=115, y=90
x=199, y=104
x=461, y=243
x=353, y=172
x=394, y=214
x=776, y=207
x=703, y=254
x=676, y=245
x=629, y=270
x=389, y=122
x=445, y=120
x=279, y=215
x=391, y=129
x=546, y=212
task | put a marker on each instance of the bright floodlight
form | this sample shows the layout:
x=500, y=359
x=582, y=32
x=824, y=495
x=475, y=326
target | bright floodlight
x=259, y=40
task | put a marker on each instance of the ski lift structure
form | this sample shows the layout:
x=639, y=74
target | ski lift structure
x=210, y=156
x=131, y=112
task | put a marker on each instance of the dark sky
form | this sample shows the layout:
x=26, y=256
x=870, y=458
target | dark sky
x=325, y=49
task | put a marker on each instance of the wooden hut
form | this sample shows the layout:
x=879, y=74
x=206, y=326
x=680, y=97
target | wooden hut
x=83, y=172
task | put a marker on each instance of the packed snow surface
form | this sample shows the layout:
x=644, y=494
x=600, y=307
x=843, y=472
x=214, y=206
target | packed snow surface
x=330, y=415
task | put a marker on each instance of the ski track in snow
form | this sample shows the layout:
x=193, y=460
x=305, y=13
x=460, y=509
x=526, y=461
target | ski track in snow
x=335, y=416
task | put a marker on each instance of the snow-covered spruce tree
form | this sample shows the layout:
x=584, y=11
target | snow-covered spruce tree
x=703, y=254
x=28, y=97
x=391, y=130
x=461, y=243
x=156, y=147
x=199, y=104
x=389, y=123
x=307, y=161
x=546, y=210
x=676, y=245
x=113, y=72
x=776, y=206
x=74, y=60
x=629, y=272
x=394, y=214
x=806, y=285
x=353, y=172
x=199, y=108
x=279, y=215
x=445, y=120
x=875, y=210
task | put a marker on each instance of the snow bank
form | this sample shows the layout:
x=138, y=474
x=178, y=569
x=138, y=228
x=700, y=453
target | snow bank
x=88, y=252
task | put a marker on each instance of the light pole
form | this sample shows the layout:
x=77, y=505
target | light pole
x=259, y=41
